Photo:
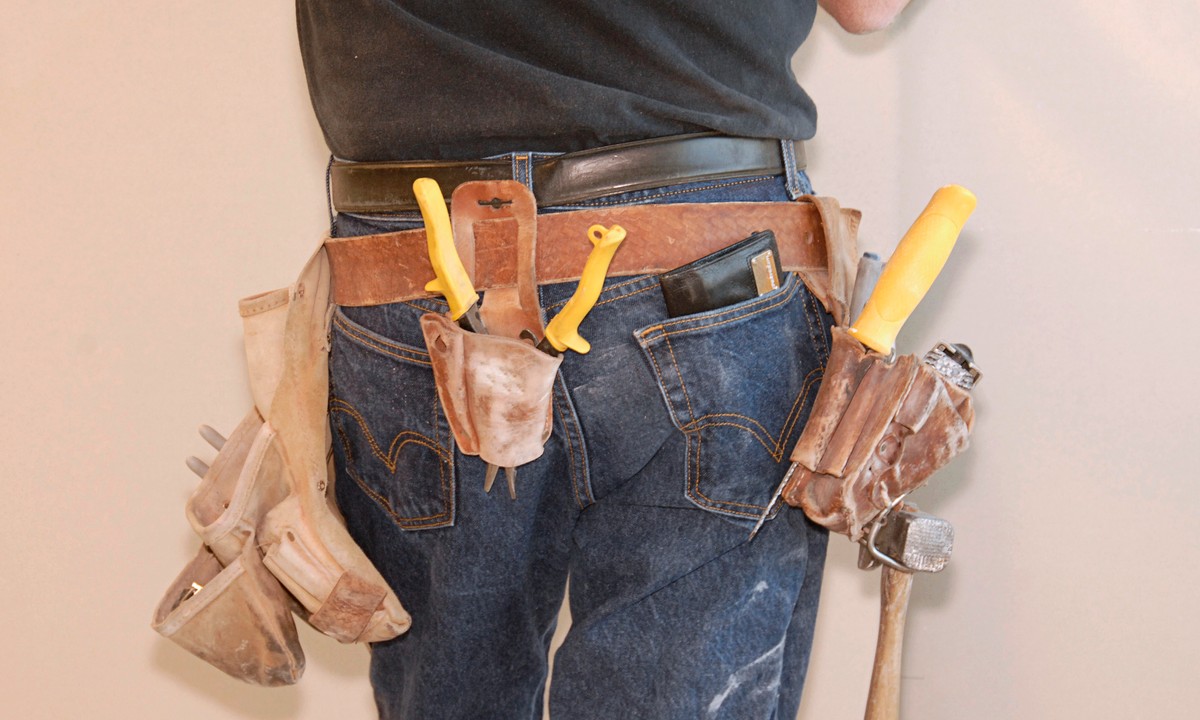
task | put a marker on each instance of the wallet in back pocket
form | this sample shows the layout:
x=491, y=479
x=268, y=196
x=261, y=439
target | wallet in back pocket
x=739, y=272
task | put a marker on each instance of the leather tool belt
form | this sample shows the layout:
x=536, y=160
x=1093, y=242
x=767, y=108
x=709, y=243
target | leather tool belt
x=815, y=237
x=383, y=187
x=272, y=541
x=505, y=422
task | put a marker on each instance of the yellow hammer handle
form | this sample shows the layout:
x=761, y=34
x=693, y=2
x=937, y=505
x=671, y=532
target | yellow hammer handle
x=913, y=267
x=563, y=330
x=451, y=281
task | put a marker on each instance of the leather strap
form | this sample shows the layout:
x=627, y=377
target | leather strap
x=392, y=267
x=349, y=608
x=383, y=187
x=841, y=229
x=509, y=310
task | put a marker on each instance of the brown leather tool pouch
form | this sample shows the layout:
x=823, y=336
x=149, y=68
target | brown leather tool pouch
x=236, y=617
x=878, y=430
x=496, y=391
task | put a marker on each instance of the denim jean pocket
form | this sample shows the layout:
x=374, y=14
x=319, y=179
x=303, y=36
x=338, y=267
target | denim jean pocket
x=739, y=383
x=390, y=435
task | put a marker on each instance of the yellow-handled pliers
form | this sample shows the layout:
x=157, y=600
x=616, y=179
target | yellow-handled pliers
x=451, y=279
x=562, y=332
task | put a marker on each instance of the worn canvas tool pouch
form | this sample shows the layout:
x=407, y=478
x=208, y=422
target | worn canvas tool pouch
x=235, y=616
x=304, y=543
x=494, y=388
x=879, y=428
x=273, y=542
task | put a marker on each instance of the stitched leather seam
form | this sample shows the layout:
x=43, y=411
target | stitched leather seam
x=688, y=191
x=267, y=303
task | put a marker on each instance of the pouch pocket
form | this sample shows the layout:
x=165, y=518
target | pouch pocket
x=739, y=383
x=389, y=433
x=237, y=618
x=496, y=391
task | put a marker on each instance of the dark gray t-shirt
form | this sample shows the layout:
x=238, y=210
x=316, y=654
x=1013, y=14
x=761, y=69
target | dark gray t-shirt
x=447, y=79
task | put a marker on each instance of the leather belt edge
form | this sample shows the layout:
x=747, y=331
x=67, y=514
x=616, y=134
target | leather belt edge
x=382, y=187
x=394, y=267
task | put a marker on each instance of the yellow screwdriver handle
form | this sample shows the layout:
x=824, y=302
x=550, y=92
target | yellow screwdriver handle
x=451, y=281
x=913, y=267
x=563, y=330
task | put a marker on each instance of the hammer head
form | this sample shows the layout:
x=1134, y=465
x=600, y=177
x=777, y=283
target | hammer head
x=912, y=541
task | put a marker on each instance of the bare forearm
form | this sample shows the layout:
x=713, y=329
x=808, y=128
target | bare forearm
x=863, y=16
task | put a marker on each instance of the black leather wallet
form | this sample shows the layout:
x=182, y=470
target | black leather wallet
x=739, y=272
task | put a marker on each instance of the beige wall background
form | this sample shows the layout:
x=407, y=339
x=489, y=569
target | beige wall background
x=160, y=161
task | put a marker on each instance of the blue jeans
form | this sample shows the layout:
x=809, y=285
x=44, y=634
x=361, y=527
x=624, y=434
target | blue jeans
x=669, y=438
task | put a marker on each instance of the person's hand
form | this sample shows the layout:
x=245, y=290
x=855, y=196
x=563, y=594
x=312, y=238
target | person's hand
x=863, y=16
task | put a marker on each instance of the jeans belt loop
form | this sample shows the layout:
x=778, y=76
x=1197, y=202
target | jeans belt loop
x=788, y=150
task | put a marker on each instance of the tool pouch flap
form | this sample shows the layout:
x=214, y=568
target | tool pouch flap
x=496, y=391
x=878, y=430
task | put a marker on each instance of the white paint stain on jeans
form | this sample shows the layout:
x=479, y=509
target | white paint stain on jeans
x=767, y=663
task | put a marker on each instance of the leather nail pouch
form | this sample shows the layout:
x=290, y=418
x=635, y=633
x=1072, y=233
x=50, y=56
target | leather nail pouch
x=739, y=272
x=496, y=391
x=877, y=431
x=237, y=618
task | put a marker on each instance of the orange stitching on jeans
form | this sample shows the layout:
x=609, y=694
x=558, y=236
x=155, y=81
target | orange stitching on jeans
x=661, y=327
x=378, y=344
x=776, y=454
x=682, y=384
x=570, y=452
x=789, y=421
x=387, y=504
x=662, y=382
x=361, y=335
x=339, y=405
x=415, y=306
x=776, y=302
x=609, y=289
x=718, y=504
x=622, y=297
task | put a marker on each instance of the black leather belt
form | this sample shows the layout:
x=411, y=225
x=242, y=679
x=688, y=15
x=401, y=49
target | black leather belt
x=380, y=187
